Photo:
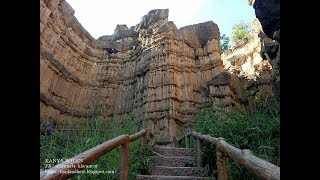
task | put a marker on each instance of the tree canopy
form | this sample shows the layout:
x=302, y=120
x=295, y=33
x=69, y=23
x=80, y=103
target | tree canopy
x=224, y=43
x=239, y=31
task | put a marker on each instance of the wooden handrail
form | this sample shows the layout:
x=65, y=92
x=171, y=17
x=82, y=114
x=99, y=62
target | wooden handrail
x=137, y=135
x=72, y=166
x=254, y=164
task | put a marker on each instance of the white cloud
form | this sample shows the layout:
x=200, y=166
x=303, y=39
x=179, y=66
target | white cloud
x=100, y=17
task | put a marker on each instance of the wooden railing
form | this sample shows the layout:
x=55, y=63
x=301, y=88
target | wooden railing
x=71, y=166
x=259, y=167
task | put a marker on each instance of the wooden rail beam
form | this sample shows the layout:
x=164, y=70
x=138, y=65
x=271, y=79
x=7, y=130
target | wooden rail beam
x=137, y=135
x=254, y=164
x=205, y=137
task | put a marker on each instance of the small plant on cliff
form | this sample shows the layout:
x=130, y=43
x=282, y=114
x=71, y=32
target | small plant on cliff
x=262, y=136
x=239, y=31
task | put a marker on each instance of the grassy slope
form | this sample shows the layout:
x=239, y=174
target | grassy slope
x=260, y=134
x=66, y=144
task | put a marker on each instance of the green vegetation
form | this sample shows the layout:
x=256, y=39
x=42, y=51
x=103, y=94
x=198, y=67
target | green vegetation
x=261, y=135
x=239, y=31
x=69, y=140
x=224, y=43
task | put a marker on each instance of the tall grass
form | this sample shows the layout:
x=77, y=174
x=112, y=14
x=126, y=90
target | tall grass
x=70, y=139
x=260, y=134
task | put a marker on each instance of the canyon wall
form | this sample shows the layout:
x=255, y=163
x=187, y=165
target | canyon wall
x=244, y=61
x=69, y=64
x=162, y=74
x=268, y=13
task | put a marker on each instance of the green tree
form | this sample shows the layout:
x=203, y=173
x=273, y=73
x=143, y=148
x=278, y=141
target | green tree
x=224, y=43
x=239, y=31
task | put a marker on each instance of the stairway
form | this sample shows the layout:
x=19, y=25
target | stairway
x=172, y=163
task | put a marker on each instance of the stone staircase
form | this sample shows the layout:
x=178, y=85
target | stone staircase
x=170, y=163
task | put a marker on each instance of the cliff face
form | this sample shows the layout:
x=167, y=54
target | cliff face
x=69, y=64
x=244, y=61
x=268, y=13
x=162, y=74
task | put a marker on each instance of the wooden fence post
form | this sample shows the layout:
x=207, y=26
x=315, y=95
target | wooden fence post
x=222, y=163
x=187, y=141
x=144, y=144
x=199, y=150
x=124, y=164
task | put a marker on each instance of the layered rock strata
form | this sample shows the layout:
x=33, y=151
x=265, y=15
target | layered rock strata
x=162, y=74
x=244, y=61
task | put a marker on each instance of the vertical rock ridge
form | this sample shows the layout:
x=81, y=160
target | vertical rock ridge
x=162, y=74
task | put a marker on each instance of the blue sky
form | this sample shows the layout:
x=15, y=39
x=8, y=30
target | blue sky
x=100, y=17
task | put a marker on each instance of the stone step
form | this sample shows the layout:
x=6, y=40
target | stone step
x=176, y=171
x=173, y=151
x=158, y=177
x=185, y=161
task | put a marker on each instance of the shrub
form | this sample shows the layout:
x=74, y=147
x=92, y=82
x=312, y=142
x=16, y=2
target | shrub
x=261, y=136
x=239, y=31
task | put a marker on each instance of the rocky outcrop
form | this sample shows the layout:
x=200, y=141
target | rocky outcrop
x=68, y=64
x=270, y=49
x=268, y=13
x=162, y=74
x=244, y=61
x=197, y=35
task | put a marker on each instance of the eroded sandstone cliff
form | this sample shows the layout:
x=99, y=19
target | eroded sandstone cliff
x=244, y=61
x=268, y=13
x=162, y=74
